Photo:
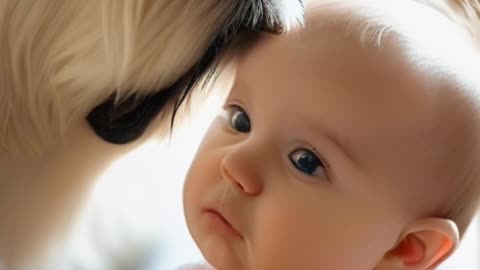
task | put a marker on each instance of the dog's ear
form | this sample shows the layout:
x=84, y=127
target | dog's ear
x=124, y=121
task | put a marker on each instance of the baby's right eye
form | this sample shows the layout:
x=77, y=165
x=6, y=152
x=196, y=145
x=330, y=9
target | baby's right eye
x=238, y=119
x=307, y=162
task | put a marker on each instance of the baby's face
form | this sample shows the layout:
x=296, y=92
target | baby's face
x=320, y=159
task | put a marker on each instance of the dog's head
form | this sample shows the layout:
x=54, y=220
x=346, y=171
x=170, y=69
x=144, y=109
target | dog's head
x=116, y=63
x=123, y=122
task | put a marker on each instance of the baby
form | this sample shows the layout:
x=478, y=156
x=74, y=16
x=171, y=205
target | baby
x=350, y=144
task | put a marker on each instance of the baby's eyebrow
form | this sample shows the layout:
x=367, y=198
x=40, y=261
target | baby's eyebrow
x=240, y=83
x=337, y=141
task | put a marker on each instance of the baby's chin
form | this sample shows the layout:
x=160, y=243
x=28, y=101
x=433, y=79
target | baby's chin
x=220, y=255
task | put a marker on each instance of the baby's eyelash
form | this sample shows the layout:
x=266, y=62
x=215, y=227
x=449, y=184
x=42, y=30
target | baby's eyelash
x=317, y=153
x=227, y=109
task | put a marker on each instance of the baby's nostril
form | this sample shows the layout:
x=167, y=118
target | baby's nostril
x=240, y=186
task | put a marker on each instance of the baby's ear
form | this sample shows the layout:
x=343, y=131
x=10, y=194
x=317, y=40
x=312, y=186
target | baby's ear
x=424, y=245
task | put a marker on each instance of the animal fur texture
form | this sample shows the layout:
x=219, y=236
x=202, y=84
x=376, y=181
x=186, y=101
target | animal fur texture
x=60, y=59
x=80, y=79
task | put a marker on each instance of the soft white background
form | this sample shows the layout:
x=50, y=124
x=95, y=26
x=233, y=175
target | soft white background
x=136, y=212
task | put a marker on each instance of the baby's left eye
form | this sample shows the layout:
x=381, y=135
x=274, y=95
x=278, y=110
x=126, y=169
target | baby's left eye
x=239, y=119
x=307, y=162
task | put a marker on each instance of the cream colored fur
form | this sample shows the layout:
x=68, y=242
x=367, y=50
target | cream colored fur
x=61, y=58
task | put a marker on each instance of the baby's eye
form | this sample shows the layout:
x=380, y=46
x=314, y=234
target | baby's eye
x=238, y=119
x=307, y=162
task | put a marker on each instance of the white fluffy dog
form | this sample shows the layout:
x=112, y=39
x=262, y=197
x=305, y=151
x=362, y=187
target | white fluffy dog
x=83, y=82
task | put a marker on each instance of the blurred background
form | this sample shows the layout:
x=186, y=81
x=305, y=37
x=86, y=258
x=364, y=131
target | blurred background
x=134, y=219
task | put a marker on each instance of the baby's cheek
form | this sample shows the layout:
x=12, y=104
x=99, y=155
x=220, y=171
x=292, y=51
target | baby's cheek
x=291, y=236
x=290, y=239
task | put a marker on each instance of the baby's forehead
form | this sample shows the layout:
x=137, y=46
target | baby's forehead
x=434, y=38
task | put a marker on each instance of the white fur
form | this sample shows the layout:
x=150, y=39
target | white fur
x=59, y=59
x=290, y=10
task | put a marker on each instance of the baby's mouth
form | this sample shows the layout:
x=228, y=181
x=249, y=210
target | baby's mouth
x=218, y=222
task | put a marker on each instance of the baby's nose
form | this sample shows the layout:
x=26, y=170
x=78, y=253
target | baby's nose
x=238, y=168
